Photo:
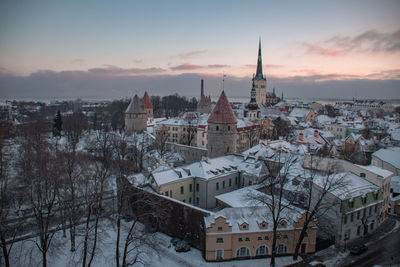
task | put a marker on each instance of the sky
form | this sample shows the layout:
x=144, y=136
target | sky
x=114, y=49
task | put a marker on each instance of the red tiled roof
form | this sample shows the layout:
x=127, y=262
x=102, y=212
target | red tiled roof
x=222, y=112
x=147, y=101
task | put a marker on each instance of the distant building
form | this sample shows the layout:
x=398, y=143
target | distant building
x=259, y=80
x=271, y=98
x=222, y=129
x=204, y=105
x=135, y=116
x=5, y=114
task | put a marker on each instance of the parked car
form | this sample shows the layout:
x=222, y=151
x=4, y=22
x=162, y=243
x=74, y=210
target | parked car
x=358, y=249
x=316, y=264
x=182, y=246
x=175, y=240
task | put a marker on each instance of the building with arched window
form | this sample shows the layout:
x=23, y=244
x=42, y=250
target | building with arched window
x=246, y=232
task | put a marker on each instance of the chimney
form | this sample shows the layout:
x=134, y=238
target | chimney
x=202, y=88
x=316, y=133
x=301, y=137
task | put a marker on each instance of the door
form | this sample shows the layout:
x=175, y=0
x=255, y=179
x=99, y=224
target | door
x=303, y=249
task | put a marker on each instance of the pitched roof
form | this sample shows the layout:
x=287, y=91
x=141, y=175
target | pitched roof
x=147, y=101
x=222, y=112
x=136, y=106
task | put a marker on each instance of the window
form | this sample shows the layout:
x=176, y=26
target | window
x=217, y=186
x=278, y=236
x=190, y=200
x=358, y=230
x=197, y=201
x=247, y=239
x=217, y=128
x=266, y=237
x=358, y=215
x=229, y=127
x=352, y=217
x=220, y=254
x=219, y=228
x=240, y=239
x=243, y=252
x=230, y=182
x=376, y=208
x=345, y=219
x=223, y=184
x=236, y=180
x=259, y=238
x=285, y=236
x=351, y=204
x=166, y=193
x=197, y=187
x=362, y=174
x=282, y=249
x=262, y=250
x=184, y=200
x=364, y=200
x=181, y=190
x=370, y=210
x=170, y=193
x=190, y=188
x=220, y=240
x=372, y=225
x=347, y=235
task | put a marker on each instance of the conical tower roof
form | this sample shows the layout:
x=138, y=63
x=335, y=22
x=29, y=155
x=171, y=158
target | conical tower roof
x=222, y=112
x=259, y=73
x=147, y=101
x=136, y=106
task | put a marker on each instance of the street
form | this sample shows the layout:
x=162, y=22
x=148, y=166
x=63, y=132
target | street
x=385, y=252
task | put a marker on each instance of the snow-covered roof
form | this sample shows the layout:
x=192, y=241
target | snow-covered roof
x=389, y=155
x=353, y=185
x=242, y=197
x=170, y=175
x=253, y=216
x=395, y=184
x=299, y=113
x=378, y=171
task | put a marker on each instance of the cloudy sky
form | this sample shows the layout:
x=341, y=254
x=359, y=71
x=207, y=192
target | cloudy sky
x=112, y=49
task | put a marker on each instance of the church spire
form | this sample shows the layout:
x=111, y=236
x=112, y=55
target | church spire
x=259, y=73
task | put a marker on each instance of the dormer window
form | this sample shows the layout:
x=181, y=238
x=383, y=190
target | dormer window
x=244, y=226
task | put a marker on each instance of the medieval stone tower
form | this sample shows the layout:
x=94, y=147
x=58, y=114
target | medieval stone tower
x=222, y=129
x=148, y=105
x=259, y=80
x=135, y=116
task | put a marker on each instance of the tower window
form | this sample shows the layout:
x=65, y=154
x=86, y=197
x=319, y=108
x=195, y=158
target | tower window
x=229, y=127
x=217, y=128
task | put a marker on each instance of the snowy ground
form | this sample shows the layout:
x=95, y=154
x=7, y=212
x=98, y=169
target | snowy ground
x=25, y=253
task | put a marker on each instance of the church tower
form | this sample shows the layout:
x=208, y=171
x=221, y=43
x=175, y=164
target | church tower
x=260, y=82
x=135, y=116
x=204, y=105
x=252, y=110
x=222, y=129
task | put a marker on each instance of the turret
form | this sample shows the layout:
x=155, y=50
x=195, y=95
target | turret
x=222, y=129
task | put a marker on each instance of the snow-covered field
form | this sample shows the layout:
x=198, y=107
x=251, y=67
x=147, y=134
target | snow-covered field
x=25, y=253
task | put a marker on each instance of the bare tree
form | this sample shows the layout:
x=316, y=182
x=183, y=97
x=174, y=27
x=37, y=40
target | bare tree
x=273, y=199
x=96, y=181
x=5, y=204
x=190, y=131
x=161, y=141
x=40, y=175
x=74, y=125
x=314, y=197
x=253, y=136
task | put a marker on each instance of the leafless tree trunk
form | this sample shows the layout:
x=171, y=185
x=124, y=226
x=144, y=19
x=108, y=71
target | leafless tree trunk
x=274, y=200
x=39, y=171
x=316, y=208
x=161, y=141
x=191, y=131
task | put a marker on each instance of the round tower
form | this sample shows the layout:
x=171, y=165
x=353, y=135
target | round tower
x=222, y=129
x=135, y=116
